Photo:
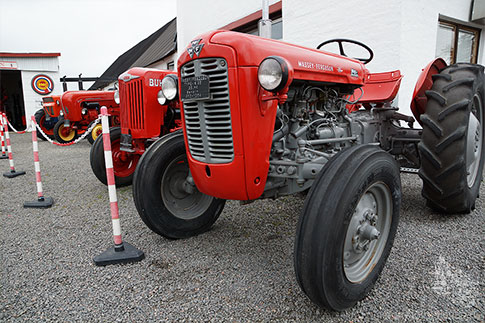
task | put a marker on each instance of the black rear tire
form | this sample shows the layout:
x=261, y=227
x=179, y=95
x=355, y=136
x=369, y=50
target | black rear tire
x=357, y=189
x=171, y=212
x=453, y=120
x=40, y=119
x=123, y=171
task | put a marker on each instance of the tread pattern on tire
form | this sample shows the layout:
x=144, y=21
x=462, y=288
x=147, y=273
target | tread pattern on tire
x=443, y=144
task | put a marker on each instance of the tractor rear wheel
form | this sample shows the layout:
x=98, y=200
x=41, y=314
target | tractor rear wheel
x=95, y=133
x=347, y=226
x=46, y=126
x=64, y=134
x=124, y=163
x=165, y=199
x=452, y=144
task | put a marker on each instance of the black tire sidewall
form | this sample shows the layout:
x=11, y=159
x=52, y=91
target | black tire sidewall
x=147, y=192
x=58, y=137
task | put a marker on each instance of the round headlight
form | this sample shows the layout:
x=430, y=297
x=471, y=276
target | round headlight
x=161, y=98
x=169, y=86
x=273, y=73
x=117, y=97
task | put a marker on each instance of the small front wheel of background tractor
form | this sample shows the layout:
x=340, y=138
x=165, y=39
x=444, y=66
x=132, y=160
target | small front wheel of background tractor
x=64, y=134
x=46, y=126
x=452, y=145
x=167, y=203
x=347, y=226
x=124, y=163
x=95, y=133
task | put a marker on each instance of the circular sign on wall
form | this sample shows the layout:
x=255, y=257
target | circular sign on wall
x=42, y=84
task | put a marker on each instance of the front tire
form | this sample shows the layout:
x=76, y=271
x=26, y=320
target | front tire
x=124, y=163
x=64, y=134
x=160, y=194
x=347, y=227
x=452, y=145
x=95, y=133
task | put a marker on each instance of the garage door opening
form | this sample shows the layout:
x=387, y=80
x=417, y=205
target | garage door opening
x=12, y=98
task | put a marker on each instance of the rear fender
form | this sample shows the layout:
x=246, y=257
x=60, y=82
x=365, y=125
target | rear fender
x=424, y=83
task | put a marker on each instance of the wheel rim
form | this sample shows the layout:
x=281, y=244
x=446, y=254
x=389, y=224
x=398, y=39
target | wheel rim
x=97, y=131
x=474, y=141
x=66, y=133
x=177, y=200
x=367, y=232
x=124, y=164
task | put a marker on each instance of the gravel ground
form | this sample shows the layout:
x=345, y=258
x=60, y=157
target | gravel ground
x=242, y=270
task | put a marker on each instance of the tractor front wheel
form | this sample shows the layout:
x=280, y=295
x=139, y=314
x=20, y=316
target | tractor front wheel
x=452, y=146
x=167, y=200
x=124, y=163
x=347, y=226
x=64, y=134
x=95, y=133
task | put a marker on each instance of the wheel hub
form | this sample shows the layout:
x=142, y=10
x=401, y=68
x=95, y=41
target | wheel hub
x=474, y=141
x=367, y=232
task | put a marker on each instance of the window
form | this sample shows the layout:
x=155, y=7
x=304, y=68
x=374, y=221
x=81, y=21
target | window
x=171, y=66
x=457, y=42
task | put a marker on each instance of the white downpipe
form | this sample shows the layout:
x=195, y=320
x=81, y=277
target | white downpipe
x=264, y=25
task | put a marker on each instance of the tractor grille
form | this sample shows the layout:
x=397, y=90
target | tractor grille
x=132, y=110
x=208, y=122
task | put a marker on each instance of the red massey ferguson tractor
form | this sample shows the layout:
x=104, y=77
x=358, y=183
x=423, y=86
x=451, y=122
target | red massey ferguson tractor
x=48, y=116
x=80, y=109
x=145, y=115
x=263, y=119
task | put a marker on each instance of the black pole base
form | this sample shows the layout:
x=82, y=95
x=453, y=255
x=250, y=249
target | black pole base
x=3, y=157
x=13, y=174
x=42, y=202
x=122, y=254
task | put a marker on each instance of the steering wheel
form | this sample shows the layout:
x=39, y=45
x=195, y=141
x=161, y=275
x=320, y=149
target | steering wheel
x=339, y=41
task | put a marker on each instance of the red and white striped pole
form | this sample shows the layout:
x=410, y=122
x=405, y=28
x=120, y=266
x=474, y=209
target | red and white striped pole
x=122, y=252
x=4, y=155
x=42, y=202
x=12, y=172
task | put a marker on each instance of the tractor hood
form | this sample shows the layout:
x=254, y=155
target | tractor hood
x=307, y=63
x=71, y=101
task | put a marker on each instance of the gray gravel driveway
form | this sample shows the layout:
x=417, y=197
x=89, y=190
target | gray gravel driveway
x=242, y=270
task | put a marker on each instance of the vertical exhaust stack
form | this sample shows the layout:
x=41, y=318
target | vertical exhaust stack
x=264, y=25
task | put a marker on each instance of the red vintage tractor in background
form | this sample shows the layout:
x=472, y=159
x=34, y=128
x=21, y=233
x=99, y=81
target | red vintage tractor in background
x=263, y=119
x=48, y=116
x=145, y=116
x=80, y=109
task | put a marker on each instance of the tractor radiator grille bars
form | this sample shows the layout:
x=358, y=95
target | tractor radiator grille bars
x=208, y=121
x=132, y=109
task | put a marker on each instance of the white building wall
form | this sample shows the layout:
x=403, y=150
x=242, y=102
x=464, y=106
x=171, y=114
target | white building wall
x=195, y=17
x=162, y=64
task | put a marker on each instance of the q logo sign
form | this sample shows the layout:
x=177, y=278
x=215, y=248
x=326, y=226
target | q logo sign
x=42, y=84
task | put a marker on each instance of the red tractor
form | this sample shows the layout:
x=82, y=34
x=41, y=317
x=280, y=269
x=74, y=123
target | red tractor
x=145, y=115
x=263, y=119
x=80, y=109
x=48, y=116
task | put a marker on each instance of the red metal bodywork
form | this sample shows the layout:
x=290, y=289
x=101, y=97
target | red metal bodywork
x=424, y=83
x=253, y=116
x=73, y=102
x=142, y=116
x=52, y=105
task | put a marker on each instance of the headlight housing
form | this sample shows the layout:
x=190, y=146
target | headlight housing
x=161, y=98
x=273, y=73
x=170, y=86
x=117, y=97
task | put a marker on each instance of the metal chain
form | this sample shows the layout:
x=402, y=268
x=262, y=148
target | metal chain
x=95, y=122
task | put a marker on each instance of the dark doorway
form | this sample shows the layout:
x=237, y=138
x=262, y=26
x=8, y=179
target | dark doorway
x=12, y=98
